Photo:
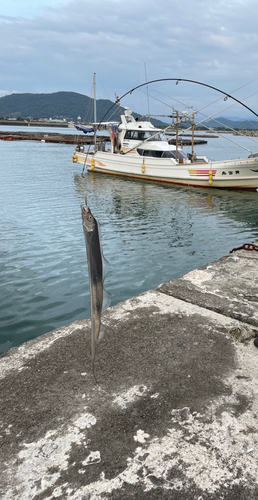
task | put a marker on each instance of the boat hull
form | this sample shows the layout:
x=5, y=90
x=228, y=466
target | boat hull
x=229, y=174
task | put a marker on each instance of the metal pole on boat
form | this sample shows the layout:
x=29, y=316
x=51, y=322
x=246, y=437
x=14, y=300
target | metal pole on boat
x=147, y=93
x=193, y=135
x=95, y=111
x=176, y=134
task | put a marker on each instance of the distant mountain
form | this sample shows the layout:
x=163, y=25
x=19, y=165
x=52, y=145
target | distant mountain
x=68, y=105
x=237, y=123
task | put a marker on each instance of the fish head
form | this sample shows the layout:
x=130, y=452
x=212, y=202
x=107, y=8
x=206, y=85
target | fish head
x=88, y=221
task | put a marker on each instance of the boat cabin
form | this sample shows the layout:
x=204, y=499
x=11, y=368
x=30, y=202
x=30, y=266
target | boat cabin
x=141, y=137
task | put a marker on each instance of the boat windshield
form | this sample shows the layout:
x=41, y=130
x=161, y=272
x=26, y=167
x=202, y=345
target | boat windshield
x=172, y=154
x=161, y=154
x=140, y=135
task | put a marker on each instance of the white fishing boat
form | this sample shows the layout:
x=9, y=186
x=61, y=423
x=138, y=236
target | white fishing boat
x=139, y=150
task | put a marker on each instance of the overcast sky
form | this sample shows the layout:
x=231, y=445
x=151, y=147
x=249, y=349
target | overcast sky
x=52, y=45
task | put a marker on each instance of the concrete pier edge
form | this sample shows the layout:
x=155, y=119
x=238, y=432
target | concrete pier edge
x=174, y=415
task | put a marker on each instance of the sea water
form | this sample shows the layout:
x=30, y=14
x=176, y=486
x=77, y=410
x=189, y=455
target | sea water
x=151, y=233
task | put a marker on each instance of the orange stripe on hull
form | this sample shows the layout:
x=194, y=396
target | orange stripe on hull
x=201, y=173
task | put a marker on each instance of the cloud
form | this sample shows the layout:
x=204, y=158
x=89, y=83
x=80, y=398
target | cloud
x=60, y=44
x=224, y=41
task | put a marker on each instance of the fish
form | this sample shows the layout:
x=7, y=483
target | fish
x=100, y=299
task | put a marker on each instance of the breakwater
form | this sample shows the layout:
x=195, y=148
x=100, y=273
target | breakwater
x=49, y=137
x=74, y=139
x=183, y=141
x=176, y=410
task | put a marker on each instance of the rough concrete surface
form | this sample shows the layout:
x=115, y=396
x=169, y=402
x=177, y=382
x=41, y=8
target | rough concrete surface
x=227, y=286
x=174, y=416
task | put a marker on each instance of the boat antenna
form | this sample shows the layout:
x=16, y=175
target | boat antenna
x=148, y=100
x=118, y=103
x=140, y=93
x=95, y=111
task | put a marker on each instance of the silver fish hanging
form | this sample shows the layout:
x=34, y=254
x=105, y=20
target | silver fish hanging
x=100, y=299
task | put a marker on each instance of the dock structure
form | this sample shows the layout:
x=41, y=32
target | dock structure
x=184, y=141
x=175, y=414
x=74, y=138
x=50, y=137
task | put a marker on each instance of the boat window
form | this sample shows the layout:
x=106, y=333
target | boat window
x=172, y=154
x=181, y=154
x=150, y=152
x=153, y=137
x=169, y=154
x=161, y=154
x=137, y=135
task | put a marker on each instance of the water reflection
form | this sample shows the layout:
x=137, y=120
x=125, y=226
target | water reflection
x=136, y=199
x=151, y=233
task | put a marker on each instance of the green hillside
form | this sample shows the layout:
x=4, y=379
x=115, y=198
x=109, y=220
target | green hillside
x=68, y=105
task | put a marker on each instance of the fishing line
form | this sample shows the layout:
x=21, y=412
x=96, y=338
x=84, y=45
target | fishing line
x=227, y=138
x=199, y=110
x=196, y=110
x=177, y=80
x=86, y=157
x=198, y=123
x=239, y=88
x=208, y=117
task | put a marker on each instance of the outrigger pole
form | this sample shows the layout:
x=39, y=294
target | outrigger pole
x=177, y=80
x=190, y=81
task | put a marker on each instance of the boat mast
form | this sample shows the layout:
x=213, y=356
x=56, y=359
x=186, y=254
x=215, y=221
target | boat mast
x=95, y=110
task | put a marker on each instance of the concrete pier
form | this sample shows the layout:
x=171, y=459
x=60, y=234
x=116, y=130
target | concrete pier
x=175, y=414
